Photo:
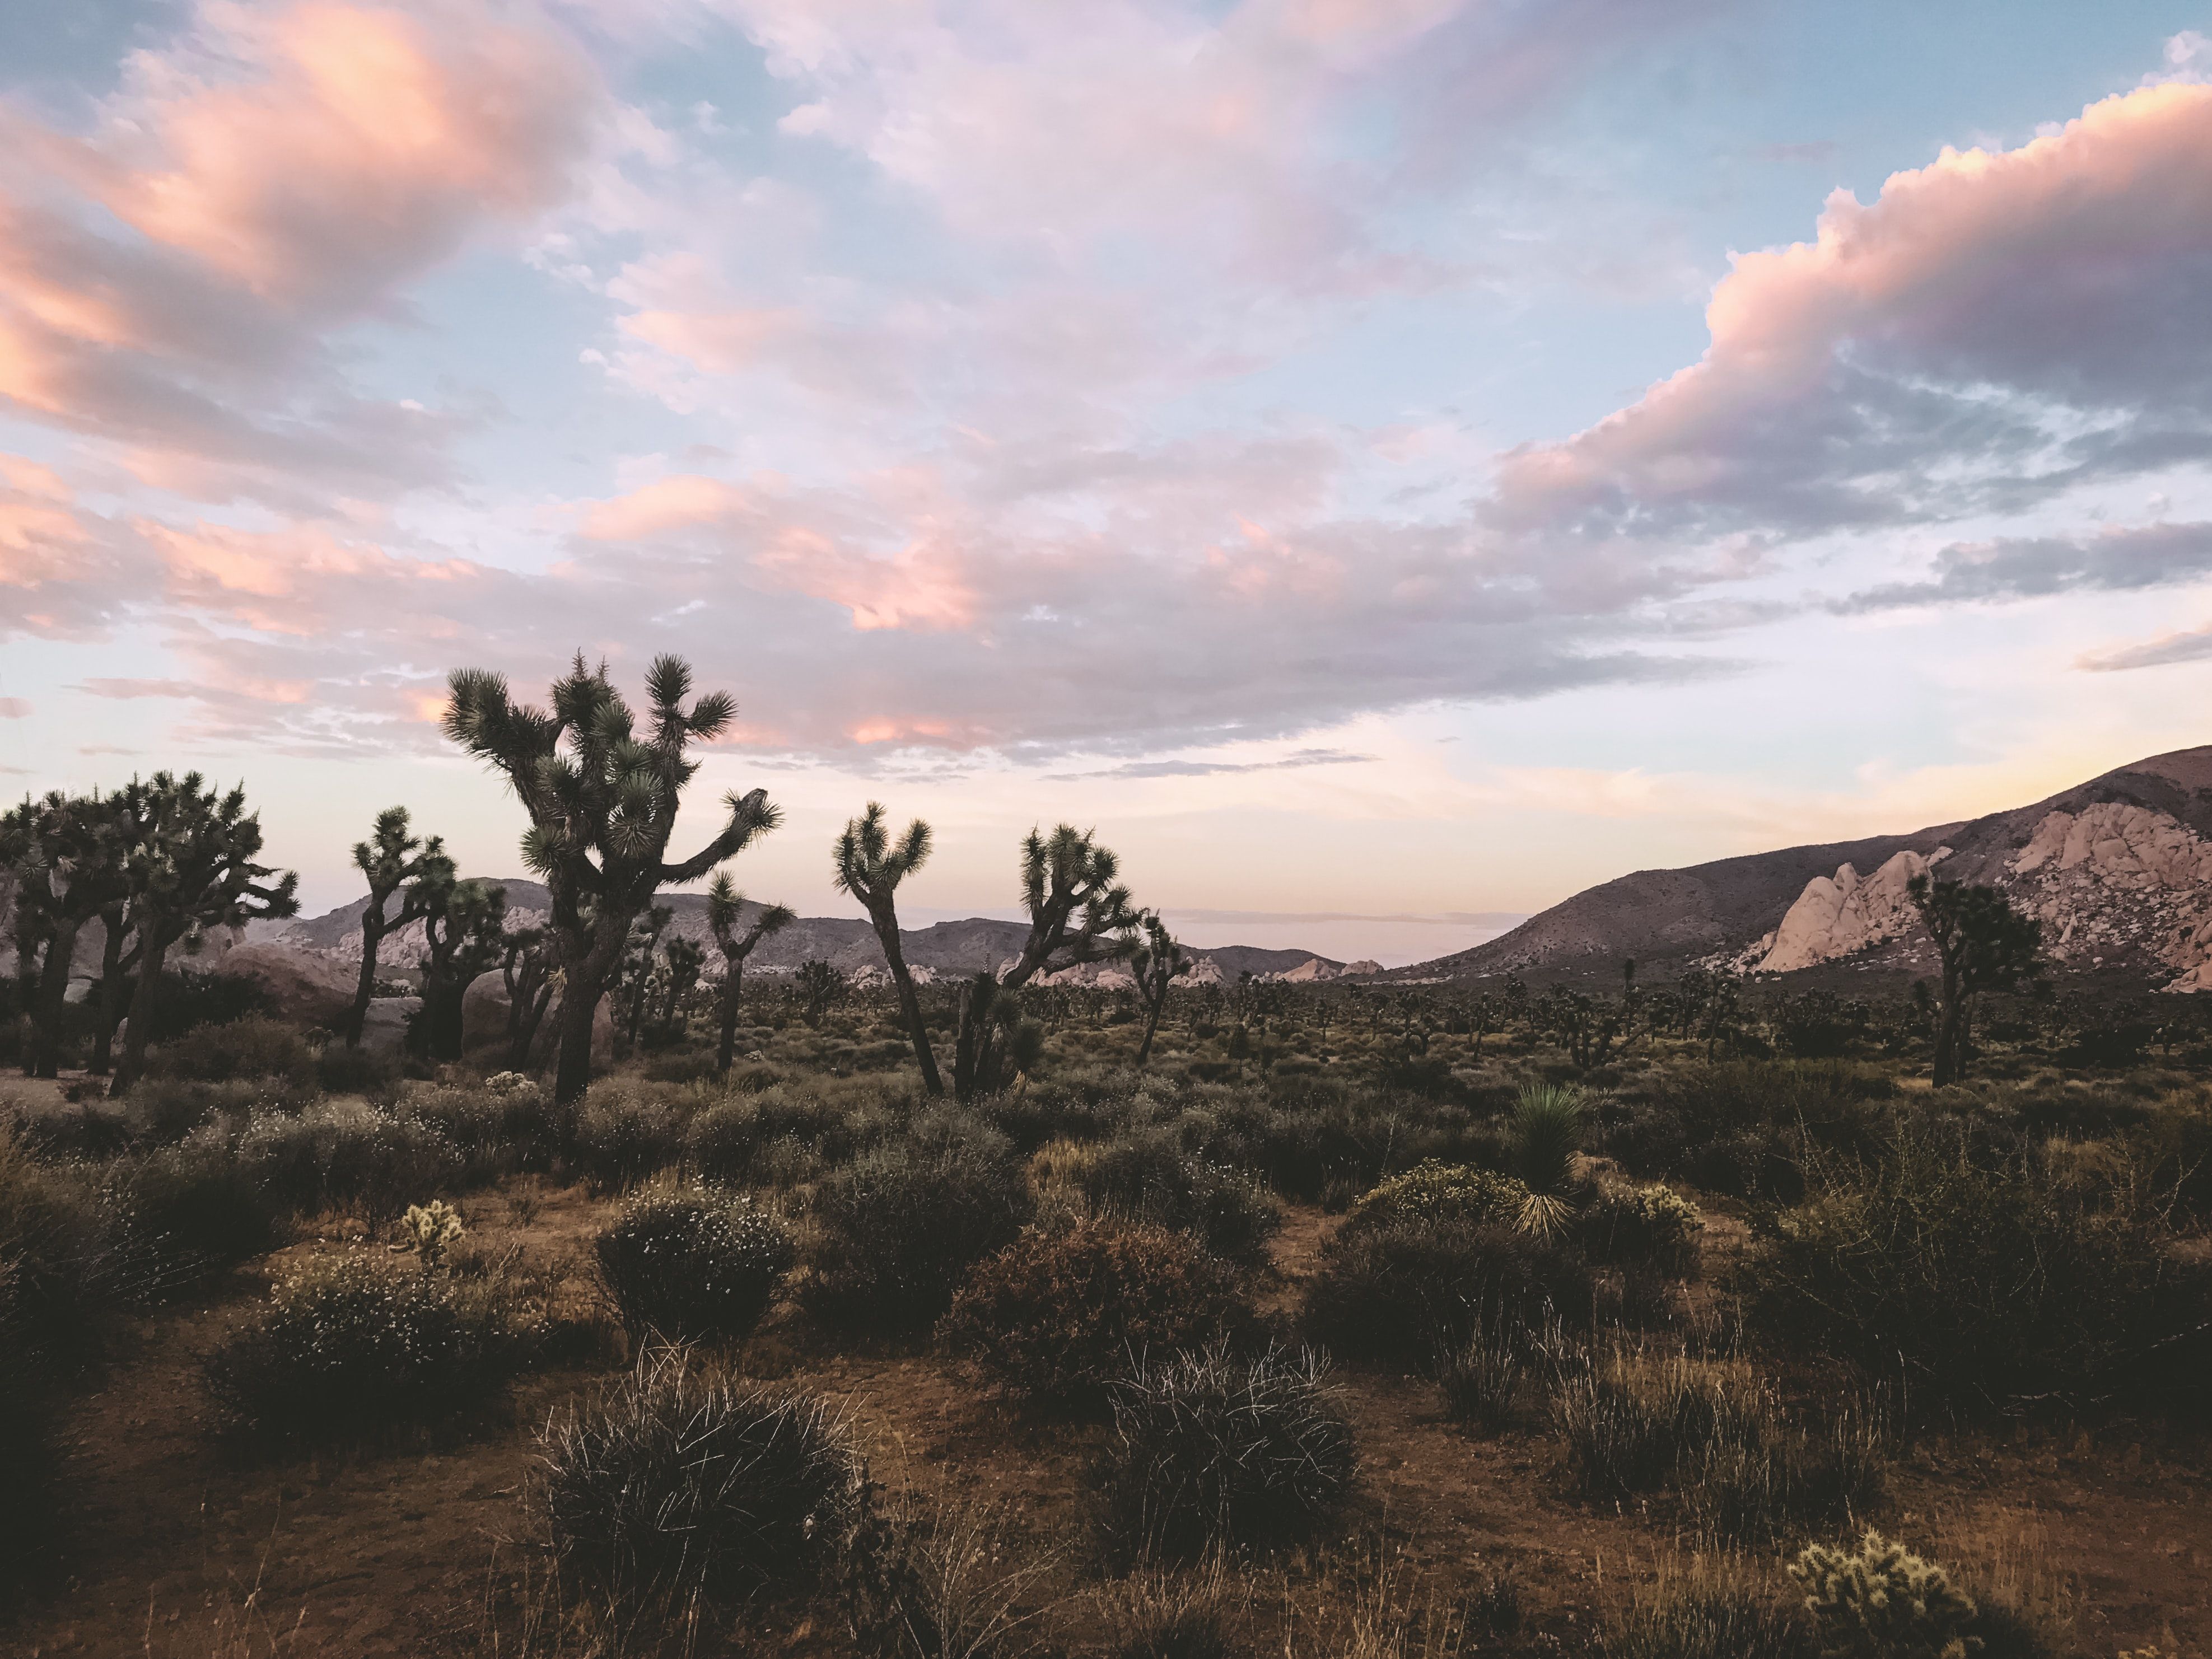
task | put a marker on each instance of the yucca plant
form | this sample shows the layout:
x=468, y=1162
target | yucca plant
x=1547, y=1156
x=726, y=907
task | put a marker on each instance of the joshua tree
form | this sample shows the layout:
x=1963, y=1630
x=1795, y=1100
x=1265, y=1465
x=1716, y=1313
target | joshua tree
x=119, y=950
x=1984, y=944
x=192, y=868
x=868, y=867
x=464, y=934
x=819, y=985
x=71, y=858
x=391, y=858
x=1078, y=913
x=724, y=909
x=1157, y=961
x=602, y=803
x=682, y=959
x=526, y=966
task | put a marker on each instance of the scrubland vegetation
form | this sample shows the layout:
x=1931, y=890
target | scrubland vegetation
x=1164, y=1322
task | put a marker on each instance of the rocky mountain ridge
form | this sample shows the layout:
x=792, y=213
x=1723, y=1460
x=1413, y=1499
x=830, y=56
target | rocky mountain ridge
x=2118, y=870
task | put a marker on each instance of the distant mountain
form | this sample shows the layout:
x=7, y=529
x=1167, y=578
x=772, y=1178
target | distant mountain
x=2120, y=869
x=946, y=950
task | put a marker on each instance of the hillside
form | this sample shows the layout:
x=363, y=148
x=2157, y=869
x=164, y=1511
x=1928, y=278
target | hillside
x=2118, y=868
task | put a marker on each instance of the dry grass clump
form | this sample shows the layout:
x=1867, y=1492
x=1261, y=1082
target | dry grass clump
x=1214, y=1452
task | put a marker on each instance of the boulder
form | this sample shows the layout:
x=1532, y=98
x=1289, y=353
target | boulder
x=483, y=1024
x=303, y=988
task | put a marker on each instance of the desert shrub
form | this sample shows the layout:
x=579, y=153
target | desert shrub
x=1653, y=1227
x=1634, y=1421
x=1479, y=1376
x=1986, y=1282
x=1212, y=1451
x=167, y=1109
x=501, y=1125
x=1708, y=1610
x=253, y=1047
x=1744, y=1127
x=682, y=1265
x=1405, y=1291
x=902, y=1224
x=1059, y=1315
x=58, y=1130
x=626, y=1134
x=1163, y=1613
x=1436, y=1195
x=370, y=1072
x=1150, y=1179
x=672, y=1486
x=927, y=1575
x=768, y=1136
x=342, y=1155
x=1882, y=1601
x=197, y=1207
x=352, y=1344
x=190, y=1001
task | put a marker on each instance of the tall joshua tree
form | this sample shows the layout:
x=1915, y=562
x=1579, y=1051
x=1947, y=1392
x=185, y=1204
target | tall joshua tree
x=726, y=907
x=636, y=972
x=867, y=865
x=192, y=868
x=391, y=858
x=1983, y=943
x=1079, y=913
x=1157, y=961
x=602, y=801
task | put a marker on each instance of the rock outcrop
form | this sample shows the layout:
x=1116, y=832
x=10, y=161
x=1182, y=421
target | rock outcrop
x=1841, y=915
x=304, y=987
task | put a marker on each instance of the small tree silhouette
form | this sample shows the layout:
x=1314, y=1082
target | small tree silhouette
x=1156, y=962
x=526, y=966
x=867, y=865
x=724, y=909
x=464, y=934
x=1984, y=944
x=602, y=803
x=391, y=858
x=70, y=854
x=190, y=868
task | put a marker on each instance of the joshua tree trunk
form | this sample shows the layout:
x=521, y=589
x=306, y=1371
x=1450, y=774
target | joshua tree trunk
x=972, y=1056
x=910, y=1004
x=143, y=1000
x=53, y=997
x=1154, y=1007
x=114, y=991
x=726, y=1049
x=372, y=935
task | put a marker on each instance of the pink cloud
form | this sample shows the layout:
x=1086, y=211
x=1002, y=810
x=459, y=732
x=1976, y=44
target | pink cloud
x=1969, y=295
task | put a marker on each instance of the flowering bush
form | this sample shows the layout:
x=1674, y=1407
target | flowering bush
x=685, y=1266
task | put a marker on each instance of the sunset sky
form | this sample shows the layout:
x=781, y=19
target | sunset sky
x=1382, y=462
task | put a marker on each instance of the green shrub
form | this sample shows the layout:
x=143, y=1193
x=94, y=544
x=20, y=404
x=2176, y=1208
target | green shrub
x=352, y=1345
x=342, y=1155
x=1406, y=1291
x=1436, y=1195
x=626, y=1134
x=1651, y=1227
x=1882, y=1601
x=501, y=1125
x=255, y=1047
x=373, y=1073
x=1150, y=1179
x=900, y=1225
x=683, y=1265
x=58, y=1130
x=1213, y=1452
x=673, y=1487
x=1985, y=1283
x=1058, y=1316
x=1479, y=1376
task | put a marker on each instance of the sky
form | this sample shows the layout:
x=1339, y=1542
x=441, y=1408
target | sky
x=1385, y=465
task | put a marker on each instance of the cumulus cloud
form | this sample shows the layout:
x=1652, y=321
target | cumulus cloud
x=1993, y=330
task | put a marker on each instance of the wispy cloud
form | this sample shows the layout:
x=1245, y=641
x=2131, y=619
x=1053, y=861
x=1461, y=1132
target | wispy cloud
x=1203, y=769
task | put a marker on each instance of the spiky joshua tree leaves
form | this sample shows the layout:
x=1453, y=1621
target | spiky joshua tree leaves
x=602, y=799
x=192, y=868
x=391, y=858
x=71, y=858
x=867, y=865
x=726, y=907
x=464, y=934
x=1984, y=944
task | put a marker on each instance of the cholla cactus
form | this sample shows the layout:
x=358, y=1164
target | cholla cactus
x=433, y=1226
x=504, y=1084
x=1882, y=1601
